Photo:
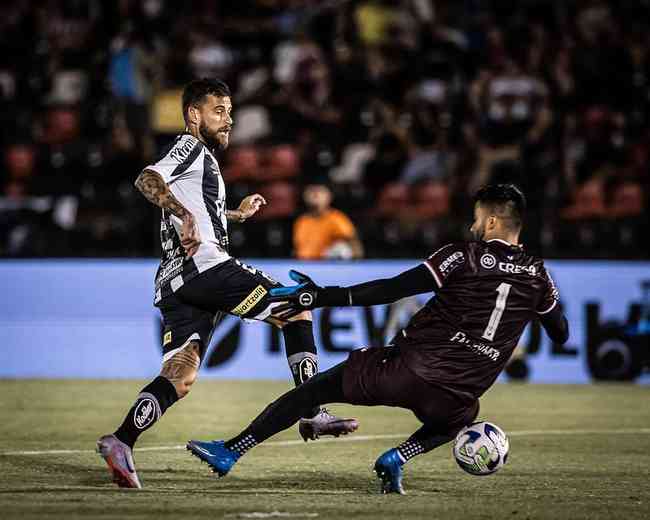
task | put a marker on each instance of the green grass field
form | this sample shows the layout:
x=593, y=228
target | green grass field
x=576, y=452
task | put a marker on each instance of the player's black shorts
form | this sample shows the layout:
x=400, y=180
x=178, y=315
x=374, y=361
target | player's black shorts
x=193, y=310
x=379, y=376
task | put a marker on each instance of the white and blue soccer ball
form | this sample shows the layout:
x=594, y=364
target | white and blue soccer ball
x=481, y=448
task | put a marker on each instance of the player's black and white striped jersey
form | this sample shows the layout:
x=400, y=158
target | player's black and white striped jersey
x=193, y=176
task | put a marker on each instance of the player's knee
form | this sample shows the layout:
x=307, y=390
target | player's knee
x=182, y=368
x=184, y=386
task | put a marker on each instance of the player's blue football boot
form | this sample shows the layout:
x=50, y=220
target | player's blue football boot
x=215, y=454
x=389, y=469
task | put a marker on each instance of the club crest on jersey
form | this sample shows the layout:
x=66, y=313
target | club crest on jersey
x=307, y=369
x=488, y=261
x=306, y=299
x=144, y=414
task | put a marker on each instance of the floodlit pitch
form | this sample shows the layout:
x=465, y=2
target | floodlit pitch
x=575, y=452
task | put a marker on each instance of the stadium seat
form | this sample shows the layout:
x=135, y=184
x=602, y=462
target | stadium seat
x=627, y=201
x=392, y=200
x=589, y=202
x=243, y=163
x=281, y=197
x=282, y=162
x=20, y=161
x=431, y=200
x=62, y=125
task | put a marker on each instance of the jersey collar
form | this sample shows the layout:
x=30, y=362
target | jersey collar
x=517, y=246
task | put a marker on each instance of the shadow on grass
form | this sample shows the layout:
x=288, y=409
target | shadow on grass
x=71, y=477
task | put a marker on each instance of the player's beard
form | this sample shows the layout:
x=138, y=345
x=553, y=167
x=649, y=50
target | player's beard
x=211, y=137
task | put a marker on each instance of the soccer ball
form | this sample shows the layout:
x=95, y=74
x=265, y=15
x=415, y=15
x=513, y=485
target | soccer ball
x=481, y=448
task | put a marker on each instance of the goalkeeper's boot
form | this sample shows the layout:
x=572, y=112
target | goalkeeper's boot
x=389, y=470
x=119, y=458
x=215, y=454
x=324, y=423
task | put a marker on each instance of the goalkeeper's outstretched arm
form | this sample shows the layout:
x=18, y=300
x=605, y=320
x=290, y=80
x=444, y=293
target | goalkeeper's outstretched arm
x=307, y=295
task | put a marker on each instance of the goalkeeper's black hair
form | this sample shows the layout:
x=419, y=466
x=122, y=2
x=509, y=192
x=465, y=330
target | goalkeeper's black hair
x=507, y=199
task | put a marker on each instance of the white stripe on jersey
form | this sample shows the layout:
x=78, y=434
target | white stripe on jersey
x=183, y=169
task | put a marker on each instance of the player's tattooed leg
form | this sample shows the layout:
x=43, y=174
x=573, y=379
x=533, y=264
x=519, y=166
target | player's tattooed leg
x=174, y=382
x=182, y=368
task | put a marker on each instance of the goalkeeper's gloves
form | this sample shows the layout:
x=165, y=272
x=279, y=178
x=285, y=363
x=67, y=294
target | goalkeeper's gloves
x=304, y=296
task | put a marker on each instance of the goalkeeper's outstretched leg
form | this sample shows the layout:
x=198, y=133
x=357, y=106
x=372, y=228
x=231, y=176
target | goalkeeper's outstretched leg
x=370, y=377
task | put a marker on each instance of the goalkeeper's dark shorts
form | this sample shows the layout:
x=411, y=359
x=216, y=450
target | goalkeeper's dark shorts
x=379, y=376
x=192, y=312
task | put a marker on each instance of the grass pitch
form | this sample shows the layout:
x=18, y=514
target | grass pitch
x=576, y=452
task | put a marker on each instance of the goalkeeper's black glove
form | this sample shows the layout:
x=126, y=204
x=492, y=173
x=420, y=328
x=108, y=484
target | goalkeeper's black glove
x=305, y=296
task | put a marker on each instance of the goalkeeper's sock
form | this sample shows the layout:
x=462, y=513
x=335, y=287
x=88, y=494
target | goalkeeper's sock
x=301, y=352
x=151, y=403
x=242, y=443
x=285, y=411
x=409, y=449
x=422, y=441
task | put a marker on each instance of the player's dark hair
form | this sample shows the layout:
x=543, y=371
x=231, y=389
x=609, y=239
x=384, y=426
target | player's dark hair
x=195, y=91
x=507, y=199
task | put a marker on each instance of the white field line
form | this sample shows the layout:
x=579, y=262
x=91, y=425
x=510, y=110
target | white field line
x=353, y=438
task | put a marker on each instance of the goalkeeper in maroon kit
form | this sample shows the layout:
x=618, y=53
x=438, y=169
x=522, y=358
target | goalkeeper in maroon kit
x=449, y=354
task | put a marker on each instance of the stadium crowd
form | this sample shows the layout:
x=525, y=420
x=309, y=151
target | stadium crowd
x=403, y=107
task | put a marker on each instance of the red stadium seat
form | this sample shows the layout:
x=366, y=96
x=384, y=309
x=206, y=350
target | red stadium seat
x=589, y=202
x=431, y=200
x=281, y=198
x=392, y=200
x=283, y=162
x=243, y=163
x=627, y=201
x=62, y=125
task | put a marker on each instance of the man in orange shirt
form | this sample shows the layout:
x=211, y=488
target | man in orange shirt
x=324, y=232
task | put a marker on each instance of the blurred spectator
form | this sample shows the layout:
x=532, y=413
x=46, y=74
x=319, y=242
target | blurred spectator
x=20, y=166
x=324, y=232
x=308, y=94
x=387, y=164
x=406, y=105
x=135, y=73
x=511, y=108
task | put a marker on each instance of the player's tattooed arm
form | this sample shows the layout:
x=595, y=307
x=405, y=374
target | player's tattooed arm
x=234, y=215
x=156, y=191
